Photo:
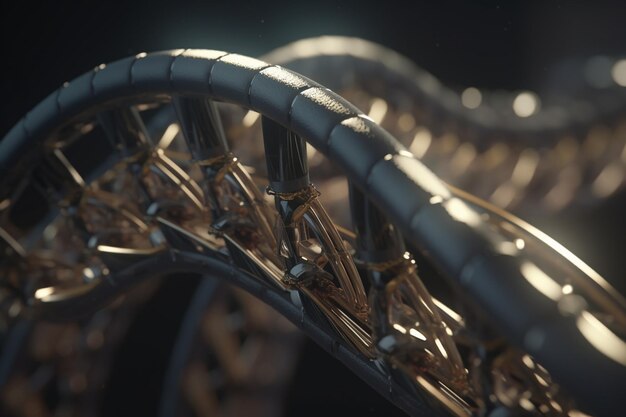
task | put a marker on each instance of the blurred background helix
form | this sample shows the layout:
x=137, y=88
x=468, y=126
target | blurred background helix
x=502, y=54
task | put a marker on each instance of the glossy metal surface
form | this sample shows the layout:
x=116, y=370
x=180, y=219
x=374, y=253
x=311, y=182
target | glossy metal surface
x=530, y=152
x=156, y=203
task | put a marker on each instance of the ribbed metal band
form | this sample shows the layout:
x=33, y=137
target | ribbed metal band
x=373, y=160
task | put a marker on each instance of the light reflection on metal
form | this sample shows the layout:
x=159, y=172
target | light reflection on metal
x=601, y=337
x=70, y=169
x=609, y=180
x=406, y=122
x=564, y=190
x=541, y=281
x=454, y=404
x=462, y=159
x=525, y=104
x=471, y=97
x=168, y=136
x=412, y=336
x=250, y=118
x=13, y=244
x=4, y=204
x=504, y=195
x=619, y=72
x=614, y=303
x=421, y=142
x=525, y=168
x=44, y=292
x=378, y=109
x=180, y=178
x=128, y=251
x=461, y=212
x=51, y=295
x=566, y=289
x=417, y=334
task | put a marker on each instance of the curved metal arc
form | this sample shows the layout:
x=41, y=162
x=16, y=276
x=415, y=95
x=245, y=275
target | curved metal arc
x=372, y=57
x=617, y=307
x=173, y=261
x=399, y=166
x=171, y=382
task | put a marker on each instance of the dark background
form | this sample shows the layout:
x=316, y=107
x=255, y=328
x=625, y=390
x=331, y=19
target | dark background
x=492, y=44
x=497, y=45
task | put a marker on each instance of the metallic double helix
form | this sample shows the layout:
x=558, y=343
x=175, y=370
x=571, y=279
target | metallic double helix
x=197, y=161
